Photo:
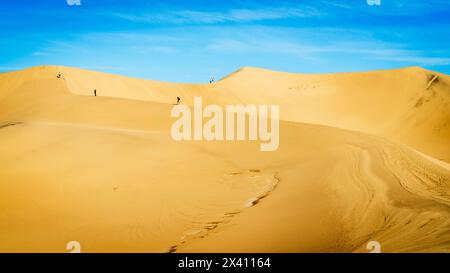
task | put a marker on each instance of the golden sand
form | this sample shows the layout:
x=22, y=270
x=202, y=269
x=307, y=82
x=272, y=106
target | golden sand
x=362, y=157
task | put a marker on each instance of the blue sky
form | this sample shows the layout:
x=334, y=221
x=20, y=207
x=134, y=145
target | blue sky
x=191, y=41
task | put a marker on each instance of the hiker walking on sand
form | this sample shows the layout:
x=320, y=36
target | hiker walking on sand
x=178, y=100
x=95, y=92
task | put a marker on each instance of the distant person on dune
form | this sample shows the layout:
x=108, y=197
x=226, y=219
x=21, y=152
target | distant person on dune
x=178, y=100
x=95, y=92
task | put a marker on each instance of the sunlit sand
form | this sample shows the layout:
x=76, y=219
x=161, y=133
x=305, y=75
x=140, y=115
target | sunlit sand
x=362, y=157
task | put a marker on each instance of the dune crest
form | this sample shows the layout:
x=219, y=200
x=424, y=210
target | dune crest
x=409, y=105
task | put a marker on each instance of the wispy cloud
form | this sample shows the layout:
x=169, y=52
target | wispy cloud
x=417, y=60
x=154, y=49
x=390, y=7
x=303, y=43
x=212, y=17
x=314, y=49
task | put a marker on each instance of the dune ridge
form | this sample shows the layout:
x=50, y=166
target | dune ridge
x=409, y=105
x=362, y=157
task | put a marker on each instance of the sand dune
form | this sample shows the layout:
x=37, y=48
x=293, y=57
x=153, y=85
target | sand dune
x=410, y=105
x=361, y=158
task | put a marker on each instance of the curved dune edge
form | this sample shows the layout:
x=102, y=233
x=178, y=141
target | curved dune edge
x=104, y=171
x=334, y=193
x=409, y=105
x=374, y=191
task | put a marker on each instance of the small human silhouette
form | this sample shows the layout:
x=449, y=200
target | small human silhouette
x=95, y=92
x=178, y=100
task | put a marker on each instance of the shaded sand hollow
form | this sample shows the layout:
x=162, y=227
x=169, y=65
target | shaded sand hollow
x=362, y=157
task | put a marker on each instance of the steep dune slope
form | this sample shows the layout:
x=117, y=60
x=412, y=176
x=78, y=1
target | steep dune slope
x=410, y=105
x=105, y=171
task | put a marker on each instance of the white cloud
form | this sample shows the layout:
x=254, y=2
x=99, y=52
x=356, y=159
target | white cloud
x=308, y=46
x=212, y=17
x=417, y=60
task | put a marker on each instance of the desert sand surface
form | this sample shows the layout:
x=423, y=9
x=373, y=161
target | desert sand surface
x=362, y=157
